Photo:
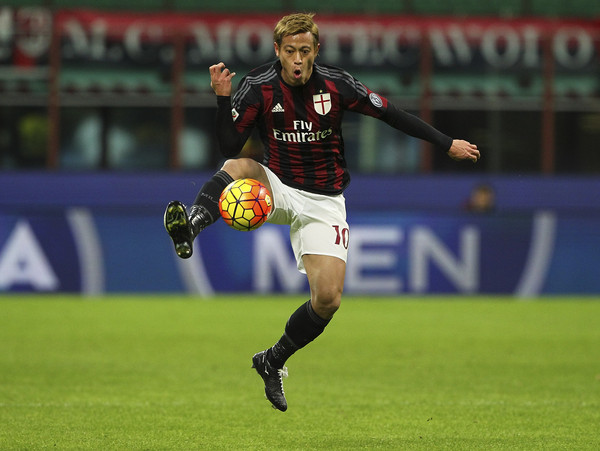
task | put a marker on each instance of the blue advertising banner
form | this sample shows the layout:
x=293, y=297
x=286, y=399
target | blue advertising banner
x=108, y=237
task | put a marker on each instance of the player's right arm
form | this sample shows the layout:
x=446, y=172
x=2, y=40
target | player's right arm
x=232, y=133
x=220, y=79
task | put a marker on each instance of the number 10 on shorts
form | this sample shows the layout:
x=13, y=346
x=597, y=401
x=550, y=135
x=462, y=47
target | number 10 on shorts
x=342, y=236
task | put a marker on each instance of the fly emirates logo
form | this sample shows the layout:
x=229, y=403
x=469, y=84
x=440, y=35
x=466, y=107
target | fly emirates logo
x=302, y=133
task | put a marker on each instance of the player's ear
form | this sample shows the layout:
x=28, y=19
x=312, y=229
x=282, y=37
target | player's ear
x=318, y=46
x=276, y=49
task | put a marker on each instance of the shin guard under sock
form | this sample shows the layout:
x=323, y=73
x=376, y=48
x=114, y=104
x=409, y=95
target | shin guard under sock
x=207, y=199
x=303, y=327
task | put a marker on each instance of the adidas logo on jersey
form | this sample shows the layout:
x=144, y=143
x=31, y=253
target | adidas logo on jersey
x=277, y=109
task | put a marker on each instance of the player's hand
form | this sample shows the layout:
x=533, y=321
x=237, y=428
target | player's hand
x=220, y=79
x=464, y=150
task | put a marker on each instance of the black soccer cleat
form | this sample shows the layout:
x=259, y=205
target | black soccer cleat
x=179, y=229
x=272, y=378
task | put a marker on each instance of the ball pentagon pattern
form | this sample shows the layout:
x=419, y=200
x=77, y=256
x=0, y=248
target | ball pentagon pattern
x=245, y=204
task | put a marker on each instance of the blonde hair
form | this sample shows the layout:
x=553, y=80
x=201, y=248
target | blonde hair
x=293, y=24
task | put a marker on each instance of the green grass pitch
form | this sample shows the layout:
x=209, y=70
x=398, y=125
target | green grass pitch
x=433, y=373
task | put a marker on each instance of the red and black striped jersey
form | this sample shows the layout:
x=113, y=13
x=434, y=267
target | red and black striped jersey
x=301, y=127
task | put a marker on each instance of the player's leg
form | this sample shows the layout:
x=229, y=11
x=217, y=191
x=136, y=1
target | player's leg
x=205, y=209
x=246, y=168
x=326, y=276
x=319, y=236
x=326, y=280
x=183, y=227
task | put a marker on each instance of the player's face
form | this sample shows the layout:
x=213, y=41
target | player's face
x=297, y=54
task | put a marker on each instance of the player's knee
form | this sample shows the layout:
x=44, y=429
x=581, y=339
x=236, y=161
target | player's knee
x=241, y=168
x=325, y=304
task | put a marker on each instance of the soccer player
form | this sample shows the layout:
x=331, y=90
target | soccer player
x=297, y=106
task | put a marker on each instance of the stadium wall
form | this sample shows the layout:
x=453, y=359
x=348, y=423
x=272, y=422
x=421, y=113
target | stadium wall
x=103, y=233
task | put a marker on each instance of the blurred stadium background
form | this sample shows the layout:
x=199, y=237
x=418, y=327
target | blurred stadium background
x=106, y=114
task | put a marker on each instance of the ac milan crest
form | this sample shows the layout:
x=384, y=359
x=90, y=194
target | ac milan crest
x=322, y=103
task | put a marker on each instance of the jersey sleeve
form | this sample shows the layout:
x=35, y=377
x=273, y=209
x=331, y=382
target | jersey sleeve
x=365, y=101
x=235, y=118
x=415, y=126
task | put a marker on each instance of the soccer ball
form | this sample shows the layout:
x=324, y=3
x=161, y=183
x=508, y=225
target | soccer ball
x=245, y=204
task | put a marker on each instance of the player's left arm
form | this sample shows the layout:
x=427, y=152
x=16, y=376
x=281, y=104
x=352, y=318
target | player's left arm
x=412, y=125
x=464, y=150
x=367, y=102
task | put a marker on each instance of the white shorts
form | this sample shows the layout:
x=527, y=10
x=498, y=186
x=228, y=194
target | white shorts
x=317, y=221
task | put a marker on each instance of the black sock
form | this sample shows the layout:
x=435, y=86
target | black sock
x=303, y=327
x=207, y=199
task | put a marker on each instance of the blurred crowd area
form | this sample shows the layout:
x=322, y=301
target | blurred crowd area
x=557, y=8
x=113, y=85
